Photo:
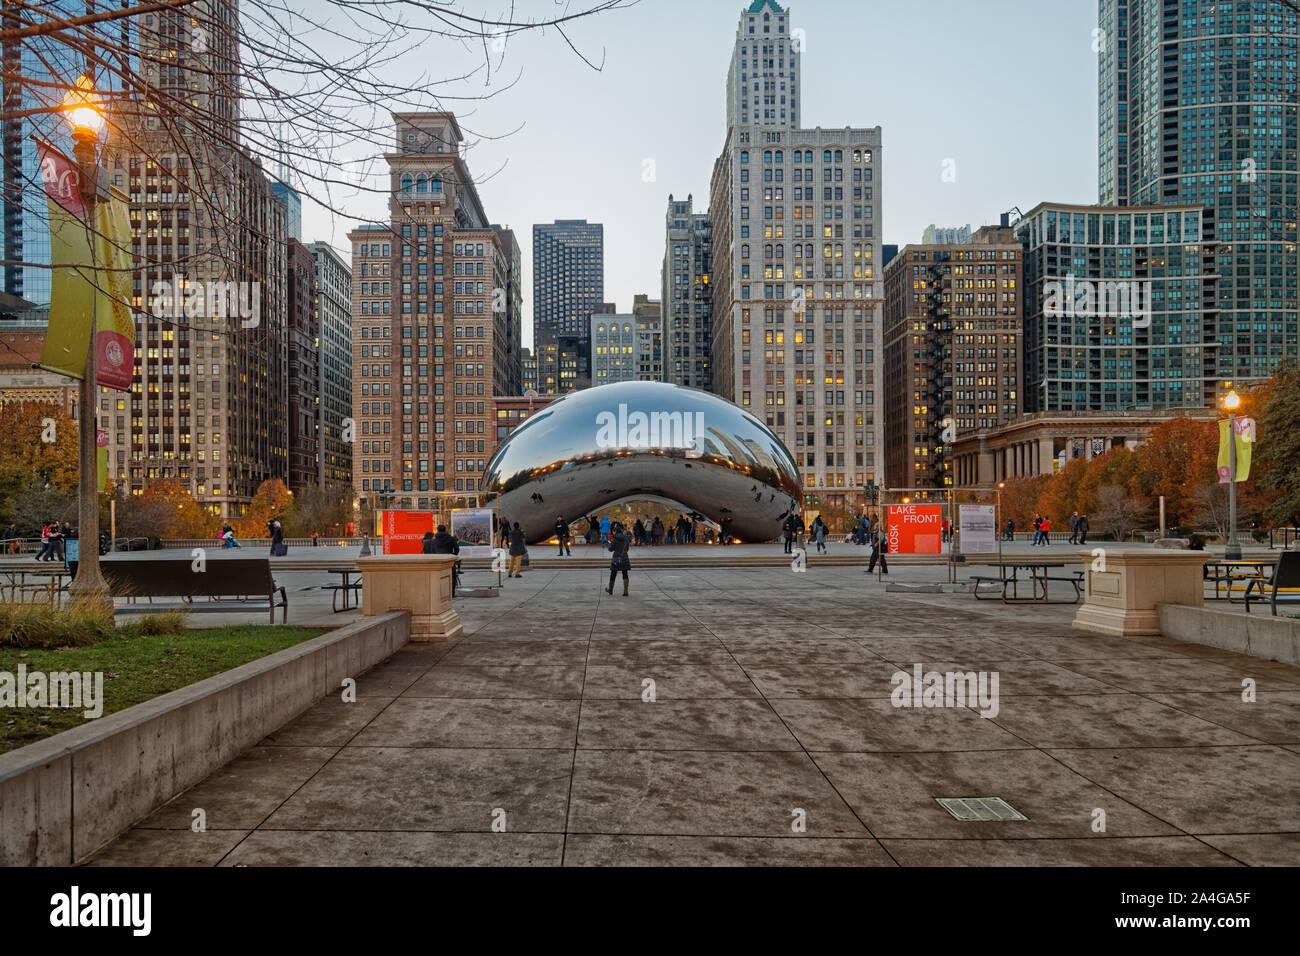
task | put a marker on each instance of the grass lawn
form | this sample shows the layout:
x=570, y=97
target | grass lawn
x=137, y=669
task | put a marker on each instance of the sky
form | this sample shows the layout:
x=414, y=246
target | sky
x=1005, y=89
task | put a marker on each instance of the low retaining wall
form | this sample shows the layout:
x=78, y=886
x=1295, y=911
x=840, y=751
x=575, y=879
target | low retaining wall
x=64, y=797
x=1259, y=635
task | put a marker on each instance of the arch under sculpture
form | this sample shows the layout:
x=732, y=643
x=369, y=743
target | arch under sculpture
x=630, y=440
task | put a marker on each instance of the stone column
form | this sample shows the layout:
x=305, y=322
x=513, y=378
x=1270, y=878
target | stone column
x=419, y=583
x=1125, y=586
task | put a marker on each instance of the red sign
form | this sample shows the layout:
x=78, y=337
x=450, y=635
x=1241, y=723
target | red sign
x=915, y=529
x=404, y=530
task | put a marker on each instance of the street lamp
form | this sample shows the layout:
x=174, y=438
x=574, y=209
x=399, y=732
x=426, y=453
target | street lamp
x=1232, y=551
x=85, y=117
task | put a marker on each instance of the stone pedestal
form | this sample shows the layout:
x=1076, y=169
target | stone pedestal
x=419, y=583
x=1124, y=586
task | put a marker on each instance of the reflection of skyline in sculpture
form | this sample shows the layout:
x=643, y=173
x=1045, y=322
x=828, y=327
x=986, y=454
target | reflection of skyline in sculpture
x=554, y=463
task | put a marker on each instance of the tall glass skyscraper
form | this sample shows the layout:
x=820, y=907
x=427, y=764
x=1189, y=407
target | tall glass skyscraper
x=1197, y=104
x=36, y=72
x=568, y=286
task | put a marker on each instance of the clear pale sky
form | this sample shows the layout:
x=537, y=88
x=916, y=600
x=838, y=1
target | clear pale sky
x=1006, y=88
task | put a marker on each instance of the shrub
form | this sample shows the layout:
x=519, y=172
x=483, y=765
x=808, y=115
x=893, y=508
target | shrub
x=40, y=625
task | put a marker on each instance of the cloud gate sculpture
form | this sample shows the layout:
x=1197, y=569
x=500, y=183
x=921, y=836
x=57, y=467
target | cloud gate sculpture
x=644, y=440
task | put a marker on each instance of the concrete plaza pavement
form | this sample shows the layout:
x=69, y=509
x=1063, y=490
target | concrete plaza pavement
x=771, y=739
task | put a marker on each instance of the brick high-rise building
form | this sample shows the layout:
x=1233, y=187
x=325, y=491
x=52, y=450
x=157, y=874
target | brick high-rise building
x=687, y=319
x=953, y=351
x=425, y=336
x=796, y=249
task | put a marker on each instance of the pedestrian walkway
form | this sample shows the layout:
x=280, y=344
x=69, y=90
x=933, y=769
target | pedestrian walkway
x=745, y=717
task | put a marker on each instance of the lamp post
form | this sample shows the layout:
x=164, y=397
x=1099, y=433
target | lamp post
x=1232, y=551
x=87, y=122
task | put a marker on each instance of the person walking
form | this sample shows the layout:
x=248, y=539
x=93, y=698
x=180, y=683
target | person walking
x=1038, y=530
x=58, y=539
x=945, y=530
x=618, y=561
x=276, y=530
x=820, y=532
x=11, y=539
x=1083, y=529
x=1010, y=533
x=1045, y=527
x=562, y=534
x=879, y=546
x=1074, y=528
x=517, y=551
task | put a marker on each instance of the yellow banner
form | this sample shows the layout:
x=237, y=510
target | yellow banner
x=71, y=294
x=87, y=284
x=1244, y=439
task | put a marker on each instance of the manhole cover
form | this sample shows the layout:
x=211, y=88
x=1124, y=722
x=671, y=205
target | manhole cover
x=986, y=809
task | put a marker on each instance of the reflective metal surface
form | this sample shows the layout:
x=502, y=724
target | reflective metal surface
x=629, y=440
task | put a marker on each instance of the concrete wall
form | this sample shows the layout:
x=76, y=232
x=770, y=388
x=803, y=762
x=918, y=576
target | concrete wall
x=64, y=797
x=1257, y=634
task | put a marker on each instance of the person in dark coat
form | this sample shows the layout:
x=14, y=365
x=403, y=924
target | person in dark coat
x=426, y=543
x=443, y=543
x=562, y=534
x=787, y=532
x=518, y=548
x=879, y=546
x=1083, y=529
x=618, y=561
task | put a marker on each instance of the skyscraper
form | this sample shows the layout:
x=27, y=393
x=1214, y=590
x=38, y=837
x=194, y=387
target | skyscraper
x=796, y=294
x=568, y=286
x=1197, y=105
x=304, y=381
x=425, y=336
x=685, y=294
x=208, y=406
x=37, y=72
x=1116, y=310
x=334, y=317
x=510, y=299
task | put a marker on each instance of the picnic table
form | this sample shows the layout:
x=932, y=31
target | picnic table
x=351, y=590
x=1039, y=576
x=1225, y=573
x=48, y=582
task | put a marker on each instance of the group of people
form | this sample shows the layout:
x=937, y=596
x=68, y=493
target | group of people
x=1043, y=527
x=53, y=538
x=643, y=532
x=617, y=541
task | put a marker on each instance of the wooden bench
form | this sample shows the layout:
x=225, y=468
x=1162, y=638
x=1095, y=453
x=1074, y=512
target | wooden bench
x=228, y=584
x=1285, y=587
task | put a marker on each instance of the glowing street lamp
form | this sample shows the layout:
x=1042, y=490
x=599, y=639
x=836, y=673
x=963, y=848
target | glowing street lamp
x=1231, y=402
x=83, y=110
